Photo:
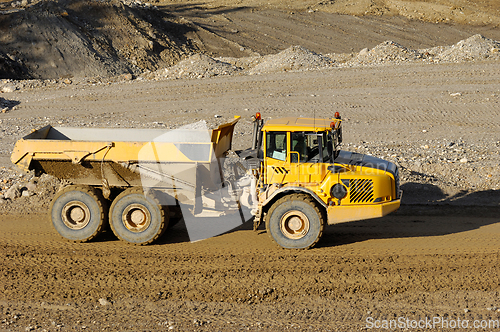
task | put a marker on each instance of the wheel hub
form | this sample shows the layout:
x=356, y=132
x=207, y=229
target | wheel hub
x=136, y=218
x=294, y=224
x=75, y=215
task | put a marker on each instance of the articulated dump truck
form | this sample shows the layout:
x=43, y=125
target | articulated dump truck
x=294, y=177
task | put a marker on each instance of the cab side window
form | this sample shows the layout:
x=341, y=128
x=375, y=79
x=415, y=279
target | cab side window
x=299, y=148
x=276, y=145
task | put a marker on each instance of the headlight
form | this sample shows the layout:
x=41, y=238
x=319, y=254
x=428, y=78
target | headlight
x=338, y=191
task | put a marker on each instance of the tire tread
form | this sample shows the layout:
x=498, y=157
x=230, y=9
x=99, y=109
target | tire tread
x=94, y=193
x=163, y=212
x=297, y=197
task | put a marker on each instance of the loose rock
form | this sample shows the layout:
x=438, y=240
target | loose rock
x=13, y=192
x=104, y=302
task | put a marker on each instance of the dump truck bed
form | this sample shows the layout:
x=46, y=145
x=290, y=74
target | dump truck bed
x=89, y=155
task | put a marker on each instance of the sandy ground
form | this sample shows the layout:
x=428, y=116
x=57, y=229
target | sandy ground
x=423, y=261
x=413, y=265
x=436, y=258
x=73, y=39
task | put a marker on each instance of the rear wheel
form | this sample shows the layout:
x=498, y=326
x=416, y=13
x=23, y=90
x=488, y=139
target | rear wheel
x=295, y=222
x=78, y=213
x=137, y=218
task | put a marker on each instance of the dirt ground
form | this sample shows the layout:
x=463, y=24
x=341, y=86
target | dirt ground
x=436, y=258
x=424, y=261
x=411, y=265
x=75, y=39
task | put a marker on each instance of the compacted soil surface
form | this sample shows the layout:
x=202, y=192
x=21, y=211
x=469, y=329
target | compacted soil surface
x=411, y=265
x=417, y=83
x=436, y=257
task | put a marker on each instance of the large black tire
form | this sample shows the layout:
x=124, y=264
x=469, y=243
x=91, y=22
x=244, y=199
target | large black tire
x=137, y=218
x=295, y=222
x=78, y=213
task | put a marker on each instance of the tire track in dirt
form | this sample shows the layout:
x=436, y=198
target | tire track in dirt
x=271, y=31
x=381, y=97
x=246, y=257
x=430, y=114
x=401, y=263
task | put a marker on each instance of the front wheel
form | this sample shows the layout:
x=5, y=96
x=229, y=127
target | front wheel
x=295, y=222
x=137, y=218
x=78, y=213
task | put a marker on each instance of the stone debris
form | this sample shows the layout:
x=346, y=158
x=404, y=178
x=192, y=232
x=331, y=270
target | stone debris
x=473, y=48
x=9, y=88
x=138, y=4
x=292, y=59
x=13, y=192
x=170, y=325
x=298, y=58
x=388, y=51
x=198, y=66
x=104, y=302
x=26, y=192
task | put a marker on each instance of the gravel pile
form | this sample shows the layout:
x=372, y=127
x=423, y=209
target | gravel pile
x=296, y=58
x=293, y=58
x=198, y=66
x=476, y=47
x=388, y=51
x=86, y=38
x=7, y=86
x=26, y=192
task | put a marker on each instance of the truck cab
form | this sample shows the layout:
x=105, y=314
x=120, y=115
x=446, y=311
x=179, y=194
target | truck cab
x=301, y=153
x=302, y=162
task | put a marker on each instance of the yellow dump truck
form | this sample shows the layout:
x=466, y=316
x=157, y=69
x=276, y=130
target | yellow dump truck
x=294, y=177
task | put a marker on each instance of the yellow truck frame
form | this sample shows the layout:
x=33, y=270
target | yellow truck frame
x=294, y=176
x=305, y=187
x=143, y=173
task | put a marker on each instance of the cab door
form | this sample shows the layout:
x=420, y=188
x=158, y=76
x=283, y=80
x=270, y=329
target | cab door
x=276, y=156
x=307, y=157
x=295, y=157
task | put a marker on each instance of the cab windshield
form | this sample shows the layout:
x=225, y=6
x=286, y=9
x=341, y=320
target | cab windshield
x=311, y=147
